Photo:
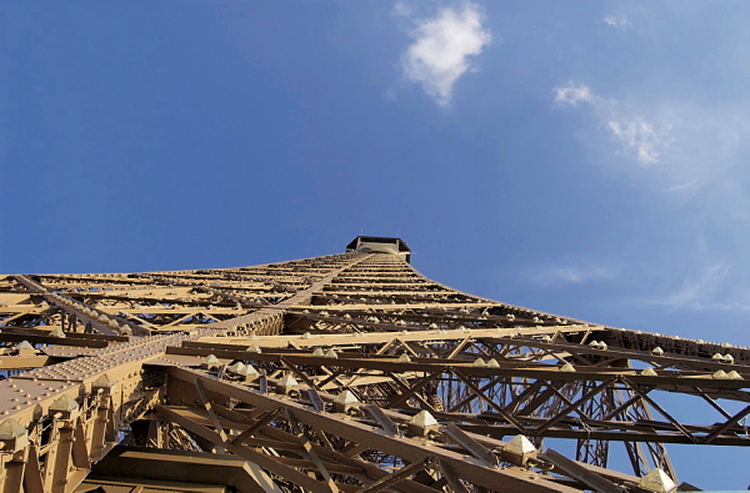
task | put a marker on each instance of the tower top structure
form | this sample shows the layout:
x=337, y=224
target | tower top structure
x=380, y=244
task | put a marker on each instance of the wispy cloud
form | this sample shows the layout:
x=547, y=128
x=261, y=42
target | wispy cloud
x=402, y=9
x=573, y=93
x=442, y=48
x=633, y=134
x=639, y=137
x=714, y=288
x=618, y=21
x=681, y=147
x=573, y=274
x=695, y=291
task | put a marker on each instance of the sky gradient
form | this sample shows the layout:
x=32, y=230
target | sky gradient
x=587, y=159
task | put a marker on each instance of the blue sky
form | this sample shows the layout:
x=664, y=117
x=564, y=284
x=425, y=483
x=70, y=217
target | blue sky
x=583, y=158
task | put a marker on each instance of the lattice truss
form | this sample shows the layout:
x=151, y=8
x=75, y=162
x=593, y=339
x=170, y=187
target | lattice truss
x=348, y=372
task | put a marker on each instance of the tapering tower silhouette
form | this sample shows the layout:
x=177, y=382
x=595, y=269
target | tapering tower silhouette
x=348, y=372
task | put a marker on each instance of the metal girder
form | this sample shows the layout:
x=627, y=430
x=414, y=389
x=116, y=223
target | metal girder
x=346, y=429
x=544, y=380
x=340, y=356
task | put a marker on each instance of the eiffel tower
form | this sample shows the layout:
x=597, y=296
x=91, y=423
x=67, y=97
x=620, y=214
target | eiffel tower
x=342, y=373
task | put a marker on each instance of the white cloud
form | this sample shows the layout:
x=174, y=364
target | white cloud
x=442, y=48
x=676, y=147
x=638, y=136
x=402, y=10
x=633, y=134
x=573, y=274
x=695, y=291
x=715, y=288
x=618, y=21
x=573, y=93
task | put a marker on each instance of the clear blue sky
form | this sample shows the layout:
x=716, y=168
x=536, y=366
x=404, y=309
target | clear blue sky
x=584, y=158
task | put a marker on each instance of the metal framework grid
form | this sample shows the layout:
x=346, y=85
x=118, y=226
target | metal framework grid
x=348, y=372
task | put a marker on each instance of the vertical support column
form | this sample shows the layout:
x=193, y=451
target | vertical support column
x=60, y=466
x=12, y=471
x=65, y=412
x=98, y=434
x=103, y=425
x=14, y=440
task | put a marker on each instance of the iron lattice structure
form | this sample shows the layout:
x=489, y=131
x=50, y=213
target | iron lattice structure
x=348, y=372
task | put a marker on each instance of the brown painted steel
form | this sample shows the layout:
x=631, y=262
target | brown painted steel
x=315, y=374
